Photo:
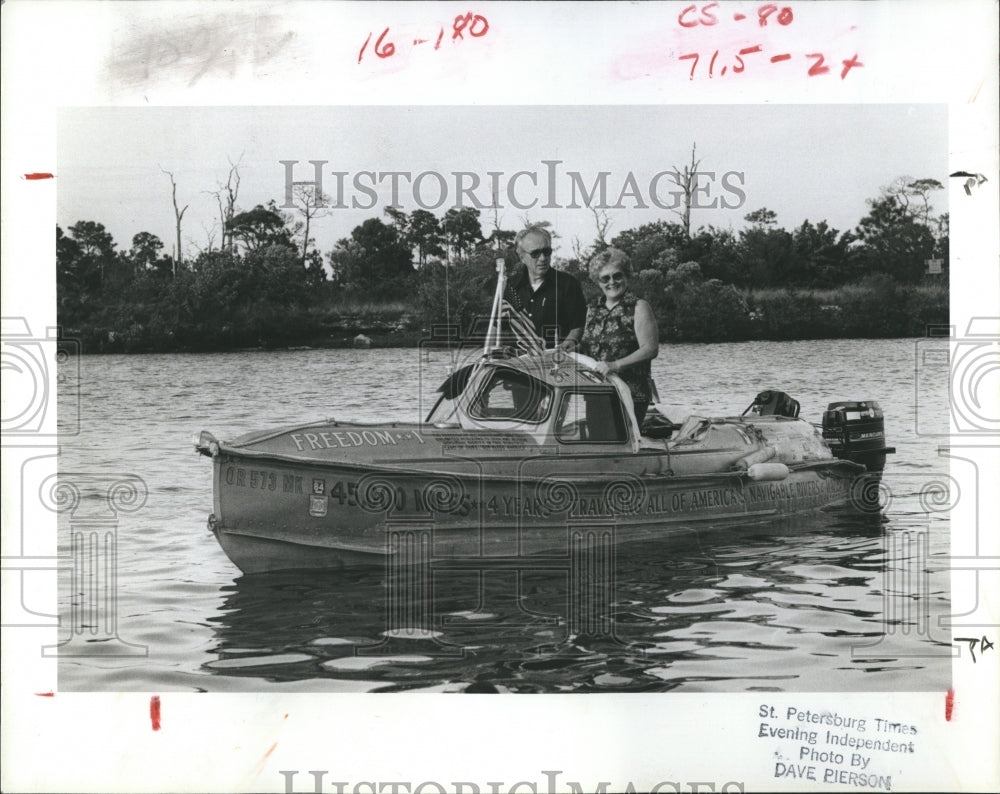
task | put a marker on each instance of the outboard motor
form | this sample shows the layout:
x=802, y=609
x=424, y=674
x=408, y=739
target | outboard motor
x=773, y=403
x=855, y=431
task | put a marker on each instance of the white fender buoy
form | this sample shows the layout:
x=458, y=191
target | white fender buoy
x=767, y=472
x=760, y=456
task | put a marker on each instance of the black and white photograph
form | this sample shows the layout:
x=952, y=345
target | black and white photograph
x=674, y=450
x=664, y=420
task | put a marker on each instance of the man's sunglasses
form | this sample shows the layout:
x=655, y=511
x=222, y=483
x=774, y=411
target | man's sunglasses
x=616, y=277
x=539, y=252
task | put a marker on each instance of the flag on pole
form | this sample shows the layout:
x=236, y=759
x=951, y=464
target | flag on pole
x=526, y=338
x=507, y=318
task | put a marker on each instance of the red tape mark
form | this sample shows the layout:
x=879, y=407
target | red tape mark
x=949, y=704
x=154, y=711
x=39, y=175
x=45, y=694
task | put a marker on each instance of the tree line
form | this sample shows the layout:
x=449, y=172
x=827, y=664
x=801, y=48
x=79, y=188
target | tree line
x=266, y=284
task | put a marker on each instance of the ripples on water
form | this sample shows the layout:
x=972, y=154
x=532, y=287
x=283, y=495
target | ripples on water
x=819, y=604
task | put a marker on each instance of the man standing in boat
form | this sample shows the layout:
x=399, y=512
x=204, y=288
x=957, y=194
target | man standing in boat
x=551, y=299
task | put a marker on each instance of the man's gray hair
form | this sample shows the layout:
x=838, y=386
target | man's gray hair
x=533, y=229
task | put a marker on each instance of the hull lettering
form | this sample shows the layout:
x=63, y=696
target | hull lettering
x=336, y=439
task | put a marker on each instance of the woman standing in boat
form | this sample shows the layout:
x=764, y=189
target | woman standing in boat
x=621, y=330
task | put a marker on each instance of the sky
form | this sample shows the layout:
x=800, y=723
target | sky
x=804, y=162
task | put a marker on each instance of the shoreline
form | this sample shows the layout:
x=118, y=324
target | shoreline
x=692, y=311
x=409, y=342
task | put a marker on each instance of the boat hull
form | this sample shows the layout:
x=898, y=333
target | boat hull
x=273, y=514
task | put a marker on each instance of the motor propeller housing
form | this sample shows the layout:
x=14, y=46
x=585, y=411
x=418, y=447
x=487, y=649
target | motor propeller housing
x=855, y=431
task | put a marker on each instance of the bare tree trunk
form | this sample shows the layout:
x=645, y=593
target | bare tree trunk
x=232, y=192
x=225, y=198
x=495, y=210
x=222, y=220
x=687, y=181
x=178, y=214
x=305, y=240
x=602, y=222
x=312, y=204
x=209, y=238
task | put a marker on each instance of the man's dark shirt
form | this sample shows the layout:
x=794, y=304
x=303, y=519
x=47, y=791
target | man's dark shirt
x=557, y=304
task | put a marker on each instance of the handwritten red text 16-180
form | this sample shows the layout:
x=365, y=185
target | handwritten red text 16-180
x=476, y=25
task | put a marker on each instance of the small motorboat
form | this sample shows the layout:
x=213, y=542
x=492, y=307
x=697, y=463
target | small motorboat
x=520, y=454
x=529, y=456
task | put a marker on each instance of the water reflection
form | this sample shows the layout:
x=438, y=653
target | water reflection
x=783, y=609
x=720, y=610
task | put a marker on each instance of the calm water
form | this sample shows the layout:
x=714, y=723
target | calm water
x=831, y=603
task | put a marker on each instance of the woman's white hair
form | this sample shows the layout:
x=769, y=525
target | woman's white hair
x=609, y=256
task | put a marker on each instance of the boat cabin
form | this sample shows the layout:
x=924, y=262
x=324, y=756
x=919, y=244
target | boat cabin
x=556, y=398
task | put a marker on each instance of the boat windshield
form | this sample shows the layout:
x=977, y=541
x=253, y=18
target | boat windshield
x=507, y=394
x=591, y=416
x=443, y=412
x=511, y=394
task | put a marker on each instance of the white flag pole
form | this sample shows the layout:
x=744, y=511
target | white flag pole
x=495, y=311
